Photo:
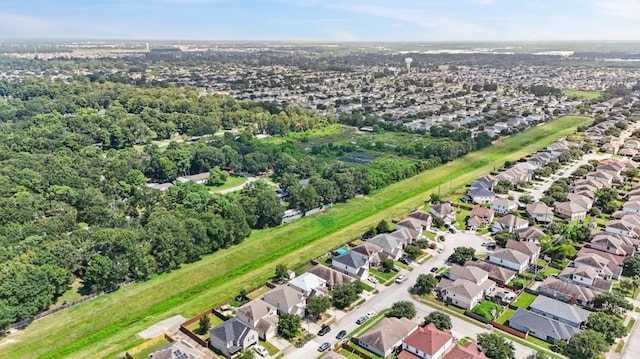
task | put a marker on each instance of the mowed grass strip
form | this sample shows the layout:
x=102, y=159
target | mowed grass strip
x=107, y=325
x=589, y=95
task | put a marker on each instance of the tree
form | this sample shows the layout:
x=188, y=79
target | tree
x=317, y=305
x=439, y=319
x=526, y=199
x=382, y=227
x=631, y=266
x=609, y=325
x=495, y=346
x=401, y=309
x=611, y=303
x=413, y=251
x=281, y=272
x=217, y=177
x=438, y=222
x=388, y=264
x=587, y=344
x=434, y=198
x=461, y=255
x=288, y=325
x=503, y=237
x=246, y=354
x=345, y=294
x=538, y=355
x=204, y=324
x=425, y=283
x=563, y=251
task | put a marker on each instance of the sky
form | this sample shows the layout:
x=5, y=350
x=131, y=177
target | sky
x=323, y=20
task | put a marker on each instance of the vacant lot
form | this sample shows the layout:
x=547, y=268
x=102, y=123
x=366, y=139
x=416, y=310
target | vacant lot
x=107, y=325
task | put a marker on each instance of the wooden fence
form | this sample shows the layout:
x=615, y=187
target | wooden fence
x=147, y=344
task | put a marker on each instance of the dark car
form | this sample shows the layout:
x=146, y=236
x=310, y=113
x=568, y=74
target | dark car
x=441, y=237
x=405, y=260
x=324, y=330
x=324, y=346
x=452, y=230
x=341, y=334
x=362, y=319
x=434, y=269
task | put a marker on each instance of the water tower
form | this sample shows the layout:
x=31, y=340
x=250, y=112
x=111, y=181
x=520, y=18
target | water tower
x=408, y=61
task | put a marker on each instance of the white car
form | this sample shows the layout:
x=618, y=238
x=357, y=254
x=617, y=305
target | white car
x=371, y=313
x=401, y=278
x=373, y=280
x=261, y=350
x=440, y=250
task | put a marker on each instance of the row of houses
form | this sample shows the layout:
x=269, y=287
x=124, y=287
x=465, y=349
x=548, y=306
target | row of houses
x=258, y=319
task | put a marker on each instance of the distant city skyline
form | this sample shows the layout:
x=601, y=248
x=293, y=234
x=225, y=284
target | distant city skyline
x=324, y=20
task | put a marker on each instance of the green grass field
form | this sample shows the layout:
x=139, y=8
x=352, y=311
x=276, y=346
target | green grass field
x=524, y=300
x=108, y=325
x=232, y=181
x=582, y=94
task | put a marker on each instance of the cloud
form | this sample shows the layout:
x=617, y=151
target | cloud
x=20, y=25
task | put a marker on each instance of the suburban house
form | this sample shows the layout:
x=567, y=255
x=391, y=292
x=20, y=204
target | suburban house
x=498, y=274
x=178, y=349
x=540, y=326
x=556, y=149
x=601, y=176
x=582, y=200
x=479, y=217
x=423, y=216
x=563, y=312
x=509, y=223
x=200, y=178
x=444, y=211
x=386, y=336
x=469, y=350
x=571, y=211
x=231, y=337
x=566, y=291
x=540, y=212
x=503, y=205
x=509, y=258
x=286, y=300
x=353, y=263
x=428, y=342
x=540, y=159
x=528, y=248
x=261, y=316
x=586, y=276
x=632, y=206
x=392, y=246
x=614, y=264
x=625, y=226
x=460, y=292
x=308, y=284
x=599, y=264
x=331, y=276
x=613, y=243
x=473, y=274
x=413, y=224
x=480, y=195
x=529, y=234
x=407, y=236
x=486, y=181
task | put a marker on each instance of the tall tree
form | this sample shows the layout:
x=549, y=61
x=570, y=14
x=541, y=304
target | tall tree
x=495, y=346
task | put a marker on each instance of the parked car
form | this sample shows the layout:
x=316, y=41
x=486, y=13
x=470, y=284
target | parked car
x=373, y=280
x=401, y=278
x=434, y=269
x=362, y=319
x=324, y=330
x=406, y=260
x=441, y=237
x=371, y=313
x=324, y=346
x=395, y=269
x=261, y=350
x=440, y=250
x=452, y=230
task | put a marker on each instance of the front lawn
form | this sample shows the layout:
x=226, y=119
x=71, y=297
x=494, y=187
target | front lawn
x=487, y=309
x=549, y=271
x=270, y=347
x=524, y=300
x=232, y=181
x=383, y=276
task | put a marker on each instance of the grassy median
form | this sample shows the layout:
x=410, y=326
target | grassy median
x=107, y=325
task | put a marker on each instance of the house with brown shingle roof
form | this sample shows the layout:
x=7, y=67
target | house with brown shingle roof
x=498, y=274
x=468, y=351
x=566, y=291
x=332, y=276
x=528, y=248
x=387, y=335
x=460, y=292
x=529, y=234
x=509, y=223
x=428, y=342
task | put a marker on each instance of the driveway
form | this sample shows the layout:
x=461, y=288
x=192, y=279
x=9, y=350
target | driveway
x=397, y=292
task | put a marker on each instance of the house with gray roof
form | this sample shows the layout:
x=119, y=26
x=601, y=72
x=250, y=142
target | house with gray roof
x=509, y=258
x=566, y=291
x=444, y=211
x=498, y=274
x=540, y=326
x=178, y=349
x=390, y=245
x=481, y=195
x=509, y=223
x=261, y=316
x=387, y=335
x=286, y=300
x=231, y=337
x=563, y=312
x=352, y=263
x=540, y=212
x=309, y=283
x=460, y=292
